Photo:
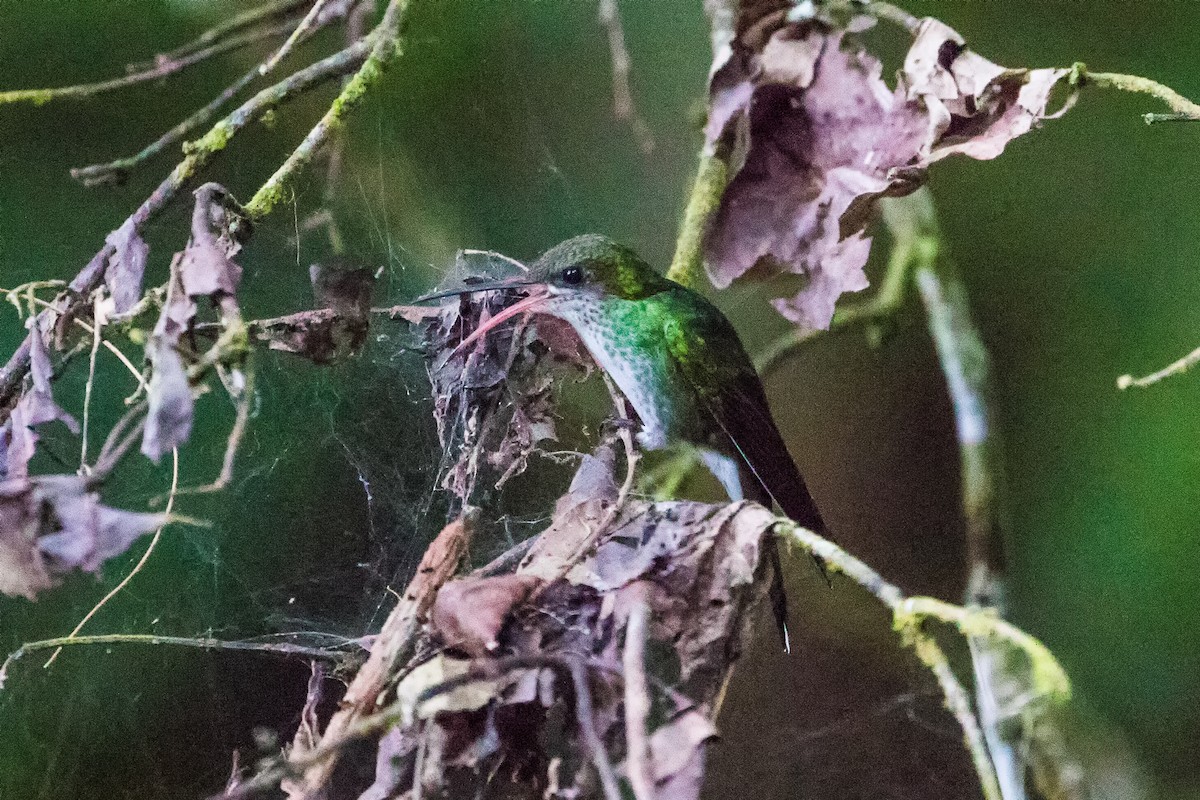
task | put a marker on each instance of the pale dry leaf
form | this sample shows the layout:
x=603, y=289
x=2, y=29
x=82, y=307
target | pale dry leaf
x=678, y=755
x=434, y=672
x=818, y=138
x=52, y=524
x=170, y=401
x=470, y=612
x=126, y=267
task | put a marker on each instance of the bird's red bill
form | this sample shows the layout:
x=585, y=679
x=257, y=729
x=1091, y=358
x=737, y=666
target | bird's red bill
x=528, y=305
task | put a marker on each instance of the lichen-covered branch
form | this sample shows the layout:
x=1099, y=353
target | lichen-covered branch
x=198, y=155
x=965, y=366
x=1181, y=107
x=160, y=70
x=712, y=177
x=1047, y=679
x=385, y=46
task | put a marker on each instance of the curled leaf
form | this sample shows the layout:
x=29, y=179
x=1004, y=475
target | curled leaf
x=819, y=138
x=169, y=392
x=337, y=328
x=469, y=612
x=51, y=525
x=126, y=267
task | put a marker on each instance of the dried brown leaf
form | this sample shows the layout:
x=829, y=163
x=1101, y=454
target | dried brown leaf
x=40, y=405
x=334, y=330
x=470, y=612
x=170, y=401
x=540, y=702
x=51, y=525
x=204, y=269
x=821, y=138
x=36, y=406
x=126, y=266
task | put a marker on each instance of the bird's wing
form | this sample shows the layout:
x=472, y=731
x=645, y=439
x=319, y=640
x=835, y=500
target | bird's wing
x=732, y=393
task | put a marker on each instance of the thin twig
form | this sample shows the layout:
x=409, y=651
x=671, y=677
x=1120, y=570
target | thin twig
x=309, y=25
x=638, y=762
x=240, y=21
x=122, y=437
x=136, y=567
x=116, y=171
x=91, y=379
x=201, y=643
x=159, y=70
x=966, y=368
x=1174, y=368
x=623, y=107
x=587, y=729
x=1181, y=107
x=236, y=434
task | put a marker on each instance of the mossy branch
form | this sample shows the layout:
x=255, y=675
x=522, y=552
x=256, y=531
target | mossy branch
x=1047, y=678
x=385, y=46
x=712, y=177
x=1182, y=109
x=198, y=154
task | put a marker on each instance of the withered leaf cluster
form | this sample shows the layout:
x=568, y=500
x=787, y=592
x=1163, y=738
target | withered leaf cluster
x=51, y=524
x=817, y=137
x=205, y=269
x=523, y=694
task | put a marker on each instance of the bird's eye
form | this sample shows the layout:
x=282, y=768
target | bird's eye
x=572, y=276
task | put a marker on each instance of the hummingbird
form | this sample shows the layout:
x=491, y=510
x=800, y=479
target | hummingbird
x=677, y=360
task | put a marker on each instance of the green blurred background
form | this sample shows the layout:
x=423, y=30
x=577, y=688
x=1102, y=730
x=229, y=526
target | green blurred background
x=495, y=130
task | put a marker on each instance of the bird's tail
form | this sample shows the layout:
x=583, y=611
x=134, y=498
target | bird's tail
x=791, y=494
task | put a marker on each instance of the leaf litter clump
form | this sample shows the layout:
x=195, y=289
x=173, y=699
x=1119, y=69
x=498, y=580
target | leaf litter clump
x=521, y=685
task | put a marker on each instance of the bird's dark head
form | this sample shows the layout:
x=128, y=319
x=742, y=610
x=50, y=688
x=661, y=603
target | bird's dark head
x=596, y=264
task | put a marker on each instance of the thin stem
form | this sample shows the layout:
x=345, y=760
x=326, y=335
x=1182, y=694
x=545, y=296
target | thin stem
x=238, y=22
x=1174, y=368
x=309, y=25
x=966, y=368
x=1181, y=107
x=234, y=441
x=639, y=761
x=87, y=387
x=159, y=70
x=200, y=643
x=623, y=107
